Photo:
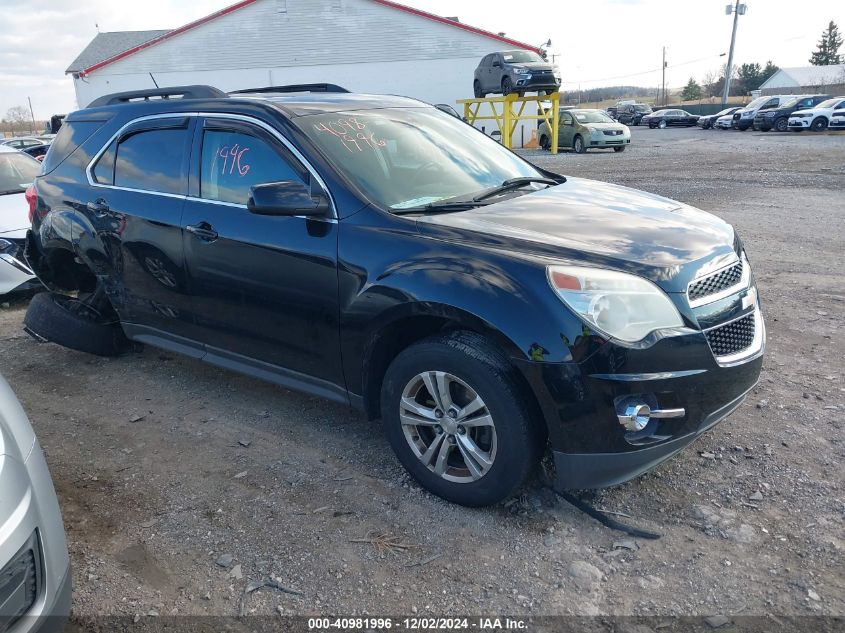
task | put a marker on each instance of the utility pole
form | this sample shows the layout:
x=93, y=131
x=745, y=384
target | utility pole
x=737, y=10
x=32, y=116
x=664, y=76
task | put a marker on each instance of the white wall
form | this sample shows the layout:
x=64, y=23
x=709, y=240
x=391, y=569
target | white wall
x=358, y=44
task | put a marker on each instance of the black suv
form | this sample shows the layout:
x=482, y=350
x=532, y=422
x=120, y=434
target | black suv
x=632, y=113
x=376, y=251
x=778, y=118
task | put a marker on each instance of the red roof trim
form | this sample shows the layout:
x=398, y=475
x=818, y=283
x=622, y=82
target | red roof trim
x=244, y=3
x=167, y=36
x=460, y=25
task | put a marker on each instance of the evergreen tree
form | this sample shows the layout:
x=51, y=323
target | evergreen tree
x=827, y=53
x=691, y=91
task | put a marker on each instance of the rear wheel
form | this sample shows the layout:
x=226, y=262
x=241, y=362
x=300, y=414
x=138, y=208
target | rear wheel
x=85, y=323
x=476, y=89
x=545, y=143
x=662, y=125
x=578, y=145
x=819, y=124
x=453, y=413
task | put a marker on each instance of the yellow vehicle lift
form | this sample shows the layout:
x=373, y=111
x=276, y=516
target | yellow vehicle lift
x=506, y=116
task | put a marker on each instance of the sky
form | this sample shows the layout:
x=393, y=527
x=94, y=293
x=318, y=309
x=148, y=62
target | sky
x=595, y=42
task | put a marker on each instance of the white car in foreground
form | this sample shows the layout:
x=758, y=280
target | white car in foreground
x=17, y=171
x=724, y=122
x=837, y=121
x=817, y=118
x=35, y=583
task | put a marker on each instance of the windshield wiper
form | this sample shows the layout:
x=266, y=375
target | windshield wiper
x=442, y=207
x=514, y=183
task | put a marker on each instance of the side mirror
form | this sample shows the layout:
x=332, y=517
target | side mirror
x=286, y=197
x=445, y=107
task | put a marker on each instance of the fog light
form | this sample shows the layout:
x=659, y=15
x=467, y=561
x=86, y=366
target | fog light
x=636, y=417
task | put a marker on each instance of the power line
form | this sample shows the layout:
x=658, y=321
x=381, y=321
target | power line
x=645, y=72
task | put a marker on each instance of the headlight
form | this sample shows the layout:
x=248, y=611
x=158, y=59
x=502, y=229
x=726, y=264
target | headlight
x=769, y=115
x=521, y=71
x=620, y=305
x=595, y=131
x=746, y=115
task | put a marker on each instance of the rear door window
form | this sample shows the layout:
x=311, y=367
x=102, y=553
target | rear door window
x=152, y=160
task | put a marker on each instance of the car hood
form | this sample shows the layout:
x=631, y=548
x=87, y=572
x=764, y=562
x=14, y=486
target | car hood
x=596, y=223
x=813, y=111
x=14, y=214
x=605, y=126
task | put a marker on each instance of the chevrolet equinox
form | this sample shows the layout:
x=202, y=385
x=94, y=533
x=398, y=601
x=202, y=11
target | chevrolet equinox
x=378, y=252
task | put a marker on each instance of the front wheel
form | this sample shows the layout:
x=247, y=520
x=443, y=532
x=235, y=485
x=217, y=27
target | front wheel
x=507, y=86
x=578, y=145
x=619, y=149
x=782, y=124
x=819, y=124
x=452, y=411
x=545, y=143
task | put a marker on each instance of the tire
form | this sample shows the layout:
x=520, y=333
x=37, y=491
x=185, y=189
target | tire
x=545, y=143
x=621, y=148
x=477, y=91
x=662, y=125
x=51, y=317
x=782, y=124
x=507, y=86
x=819, y=124
x=578, y=145
x=510, y=445
x=651, y=126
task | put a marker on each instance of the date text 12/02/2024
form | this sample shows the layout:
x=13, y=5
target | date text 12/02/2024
x=417, y=624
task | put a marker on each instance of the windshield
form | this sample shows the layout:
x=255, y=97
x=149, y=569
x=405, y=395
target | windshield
x=410, y=157
x=587, y=116
x=520, y=57
x=17, y=171
x=726, y=111
x=758, y=102
x=791, y=102
x=829, y=103
x=642, y=108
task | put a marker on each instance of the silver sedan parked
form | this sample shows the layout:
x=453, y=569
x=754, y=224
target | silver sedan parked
x=35, y=584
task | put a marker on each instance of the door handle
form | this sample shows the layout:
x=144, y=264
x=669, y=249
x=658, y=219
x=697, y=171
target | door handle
x=99, y=207
x=202, y=230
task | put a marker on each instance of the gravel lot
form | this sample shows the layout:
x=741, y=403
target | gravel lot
x=181, y=484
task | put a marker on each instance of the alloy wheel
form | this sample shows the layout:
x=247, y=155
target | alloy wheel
x=448, y=426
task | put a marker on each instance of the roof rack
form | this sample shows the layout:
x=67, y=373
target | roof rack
x=181, y=92
x=292, y=88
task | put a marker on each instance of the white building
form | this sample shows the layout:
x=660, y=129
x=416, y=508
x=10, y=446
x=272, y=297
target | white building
x=375, y=46
x=806, y=80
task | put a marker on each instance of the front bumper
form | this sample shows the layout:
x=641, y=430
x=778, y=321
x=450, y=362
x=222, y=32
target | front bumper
x=744, y=124
x=799, y=124
x=601, y=470
x=535, y=82
x=582, y=402
x=837, y=124
x=609, y=141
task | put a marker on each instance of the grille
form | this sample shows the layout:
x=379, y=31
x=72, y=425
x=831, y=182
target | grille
x=18, y=586
x=733, y=337
x=612, y=132
x=715, y=283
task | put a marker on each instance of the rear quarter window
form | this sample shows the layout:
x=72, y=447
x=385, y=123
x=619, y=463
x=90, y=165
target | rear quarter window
x=71, y=135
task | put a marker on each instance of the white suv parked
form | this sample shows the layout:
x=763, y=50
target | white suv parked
x=817, y=118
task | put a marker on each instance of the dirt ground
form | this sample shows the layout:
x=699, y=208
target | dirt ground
x=181, y=484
